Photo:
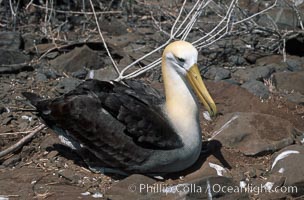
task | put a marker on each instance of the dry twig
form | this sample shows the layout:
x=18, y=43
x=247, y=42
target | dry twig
x=295, y=8
x=12, y=8
x=21, y=142
x=15, y=133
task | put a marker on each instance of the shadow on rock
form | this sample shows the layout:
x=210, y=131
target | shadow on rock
x=208, y=148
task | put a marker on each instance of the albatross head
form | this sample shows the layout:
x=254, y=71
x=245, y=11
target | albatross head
x=179, y=61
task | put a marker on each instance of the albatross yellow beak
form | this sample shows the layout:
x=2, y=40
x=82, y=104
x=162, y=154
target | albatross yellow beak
x=200, y=89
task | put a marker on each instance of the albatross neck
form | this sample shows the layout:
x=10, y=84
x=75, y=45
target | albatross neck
x=181, y=105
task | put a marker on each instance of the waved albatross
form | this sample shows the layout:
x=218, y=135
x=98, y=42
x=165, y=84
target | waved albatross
x=129, y=126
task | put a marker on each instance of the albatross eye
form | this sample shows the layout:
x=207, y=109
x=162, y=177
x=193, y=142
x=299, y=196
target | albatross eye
x=180, y=60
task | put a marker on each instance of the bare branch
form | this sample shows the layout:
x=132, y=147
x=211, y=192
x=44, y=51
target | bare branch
x=295, y=8
x=15, y=133
x=12, y=8
x=29, y=4
x=21, y=142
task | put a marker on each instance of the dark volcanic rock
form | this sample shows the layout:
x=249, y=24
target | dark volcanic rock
x=278, y=67
x=237, y=60
x=289, y=162
x=28, y=182
x=295, y=65
x=12, y=161
x=41, y=77
x=296, y=97
x=284, y=17
x=231, y=81
x=49, y=142
x=67, y=84
x=213, y=188
x=9, y=57
x=48, y=72
x=257, y=88
x=69, y=175
x=80, y=74
x=256, y=73
x=211, y=167
x=253, y=133
x=77, y=59
x=30, y=40
x=22, y=75
x=289, y=81
x=268, y=60
x=114, y=26
x=132, y=187
x=217, y=74
x=142, y=187
x=122, y=41
x=52, y=155
x=7, y=120
x=10, y=41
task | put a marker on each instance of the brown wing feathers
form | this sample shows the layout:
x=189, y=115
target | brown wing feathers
x=117, y=123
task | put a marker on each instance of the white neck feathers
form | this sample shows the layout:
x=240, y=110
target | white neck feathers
x=181, y=105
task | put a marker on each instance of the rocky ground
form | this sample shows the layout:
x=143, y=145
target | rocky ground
x=256, y=80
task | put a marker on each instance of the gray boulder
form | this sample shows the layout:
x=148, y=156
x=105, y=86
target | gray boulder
x=257, y=88
x=289, y=163
x=289, y=81
x=253, y=134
